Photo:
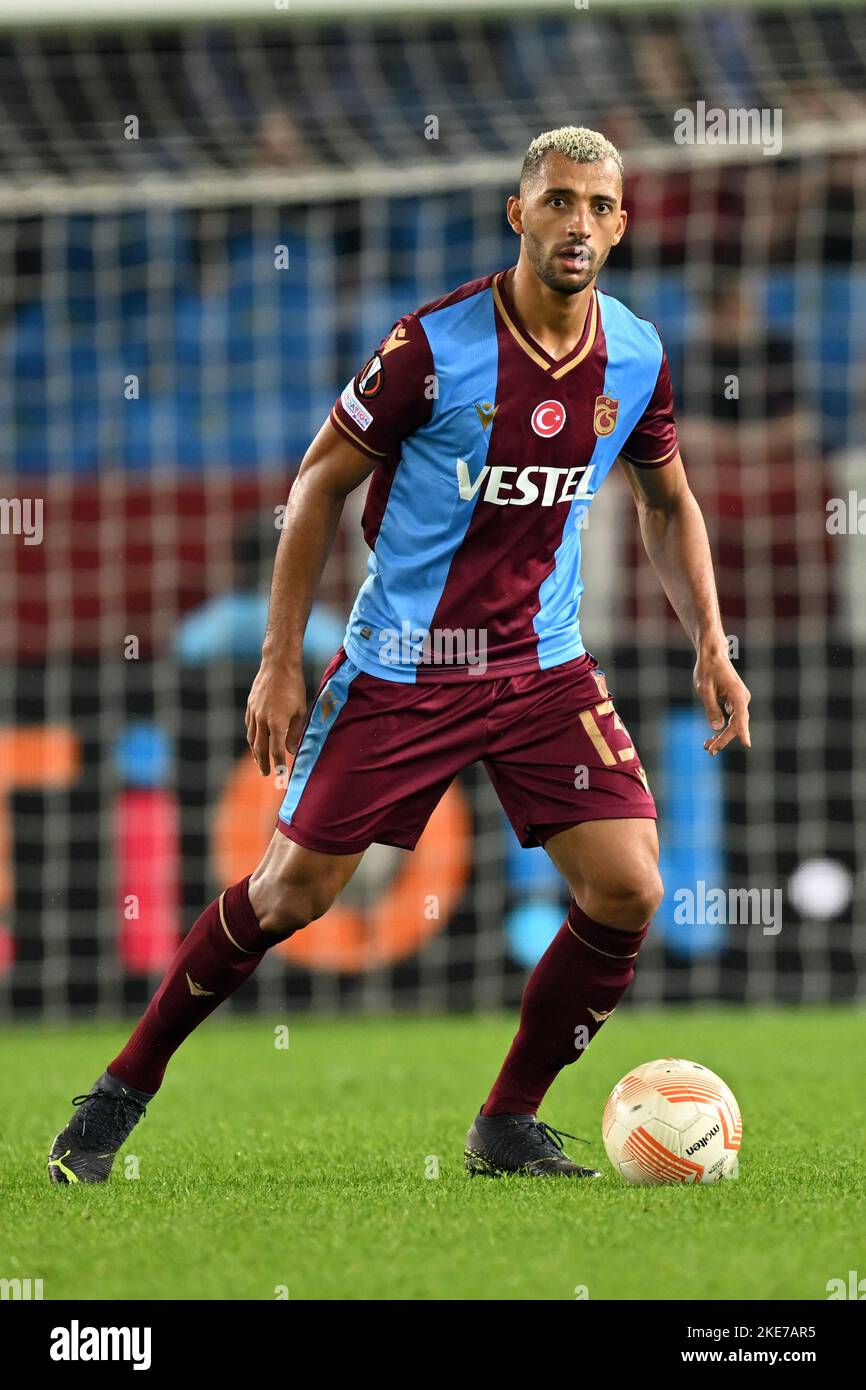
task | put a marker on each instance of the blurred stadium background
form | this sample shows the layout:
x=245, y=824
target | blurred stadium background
x=209, y=215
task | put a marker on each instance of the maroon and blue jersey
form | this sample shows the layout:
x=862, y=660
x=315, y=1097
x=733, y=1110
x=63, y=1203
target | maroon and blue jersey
x=488, y=454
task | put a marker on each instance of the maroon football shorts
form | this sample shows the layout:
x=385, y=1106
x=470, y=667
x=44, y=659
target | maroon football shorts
x=377, y=755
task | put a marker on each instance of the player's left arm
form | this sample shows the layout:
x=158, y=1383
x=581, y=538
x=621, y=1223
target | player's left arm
x=675, y=539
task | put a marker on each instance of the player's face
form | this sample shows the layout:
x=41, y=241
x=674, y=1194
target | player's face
x=569, y=216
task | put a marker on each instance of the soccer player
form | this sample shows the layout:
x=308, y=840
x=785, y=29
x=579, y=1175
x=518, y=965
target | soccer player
x=486, y=422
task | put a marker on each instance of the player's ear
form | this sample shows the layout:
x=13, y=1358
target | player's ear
x=623, y=220
x=514, y=213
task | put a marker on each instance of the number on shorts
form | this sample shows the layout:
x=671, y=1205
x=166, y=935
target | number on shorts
x=599, y=742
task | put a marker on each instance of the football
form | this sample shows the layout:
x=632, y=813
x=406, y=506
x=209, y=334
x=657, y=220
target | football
x=672, y=1121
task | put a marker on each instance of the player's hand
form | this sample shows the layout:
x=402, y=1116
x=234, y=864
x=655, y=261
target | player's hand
x=276, y=709
x=723, y=694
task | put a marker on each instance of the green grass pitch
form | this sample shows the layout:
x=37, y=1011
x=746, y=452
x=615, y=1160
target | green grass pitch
x=264, y=1170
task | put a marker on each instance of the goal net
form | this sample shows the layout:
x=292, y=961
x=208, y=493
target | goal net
x=204, y=231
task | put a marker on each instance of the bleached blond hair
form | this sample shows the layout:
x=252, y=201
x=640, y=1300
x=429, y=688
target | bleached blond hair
x=576, y=142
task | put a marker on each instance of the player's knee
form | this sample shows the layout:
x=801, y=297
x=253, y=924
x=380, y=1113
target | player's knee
x=628, y=899
x=646, y=899
x=642, y=897
x=292, y=902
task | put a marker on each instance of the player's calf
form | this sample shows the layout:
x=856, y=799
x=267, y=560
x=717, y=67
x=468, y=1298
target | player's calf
x=572, y=991
x=291, y=888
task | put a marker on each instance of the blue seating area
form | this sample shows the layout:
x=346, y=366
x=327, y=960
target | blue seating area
x=822, y=308
x=237, y=362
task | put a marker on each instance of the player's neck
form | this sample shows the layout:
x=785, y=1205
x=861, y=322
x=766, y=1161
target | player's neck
x=555, y=321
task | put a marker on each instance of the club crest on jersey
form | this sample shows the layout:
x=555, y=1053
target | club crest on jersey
x=604, y=419
x=548, y=418
x=371, y=377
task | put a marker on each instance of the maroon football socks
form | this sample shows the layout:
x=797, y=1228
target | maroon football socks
x=575, y=986
x=221, y=951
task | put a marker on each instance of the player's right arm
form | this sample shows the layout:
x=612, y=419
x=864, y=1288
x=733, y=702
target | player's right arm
x=382, y=405
x=332, y=468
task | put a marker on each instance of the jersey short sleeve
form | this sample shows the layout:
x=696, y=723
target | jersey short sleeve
x=653, y=441
x=393, y=393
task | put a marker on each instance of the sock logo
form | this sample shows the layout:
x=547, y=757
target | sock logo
x=599, y=1017
x=195, y=989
